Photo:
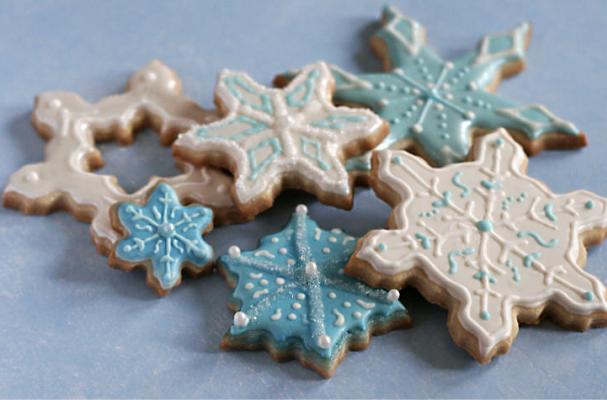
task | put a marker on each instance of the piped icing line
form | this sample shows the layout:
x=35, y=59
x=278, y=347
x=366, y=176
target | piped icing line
x=495, y=249
x=275, y=135
x=163, y=236
x=438, y=105
x=71, y=126
x=309, y=301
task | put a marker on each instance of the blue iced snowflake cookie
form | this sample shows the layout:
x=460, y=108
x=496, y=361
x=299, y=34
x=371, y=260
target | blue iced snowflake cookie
x=163, y=236
x=435, y=105
x=294, y=299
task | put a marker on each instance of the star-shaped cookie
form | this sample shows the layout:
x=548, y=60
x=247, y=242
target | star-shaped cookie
x=489, y=243
x=163, y=236
x=294, y=300
x=436, y=107
x=276, y=138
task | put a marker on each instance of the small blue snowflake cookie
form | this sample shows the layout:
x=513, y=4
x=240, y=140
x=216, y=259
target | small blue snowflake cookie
x=294, y=300
x=162, y=236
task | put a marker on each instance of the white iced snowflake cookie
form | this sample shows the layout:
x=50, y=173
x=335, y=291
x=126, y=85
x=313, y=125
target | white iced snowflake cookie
x=277, y=138
x=487, y=242
x=71, y=125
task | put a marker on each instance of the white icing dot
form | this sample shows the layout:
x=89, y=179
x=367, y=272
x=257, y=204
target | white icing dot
x=332, y=295
x=472, y=86
x=332, y=239
x=449, y=65
x=393, y=295
x=311, y=268
x=416, y=91
x=55, y=103
x=326, y=250
x=446, y=86
x=263, y=282
x=280, y=281
x=439, y=106
x=430, y=85
x=449, y=96
x=127, y=248
x=417, y=128
x=249, y=286
x=336, y=231
x=234, y=251
x=300, y=296
x=296, y=306
x=357, y=315
x=282, y=250
x=32, y=176
x=171, y=84
x=419, y=102
x=347, y=304
x=150, y=76
x=324, y=341
x=301, y=209
x=292, y=316
x=469, y=115
x=275, y=239
x=290, y=261
x=84, y=126
x=241, y=319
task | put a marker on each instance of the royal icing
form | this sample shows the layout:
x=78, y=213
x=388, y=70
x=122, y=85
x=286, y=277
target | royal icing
x=492, y=237
x=165, y=234
x=437, y=104
x=72, y=126
x=274, y=135
x=293, y=288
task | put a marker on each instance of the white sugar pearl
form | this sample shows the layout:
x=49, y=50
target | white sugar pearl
x=324, y=341
x=234, y=251
x=241, y=319
x=301, y=209
x=393, y=295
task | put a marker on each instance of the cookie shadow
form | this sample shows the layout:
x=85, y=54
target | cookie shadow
x=364, y=56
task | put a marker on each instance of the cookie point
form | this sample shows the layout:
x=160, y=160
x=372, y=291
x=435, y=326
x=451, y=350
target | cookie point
x=301, y=209
x=324, y=341
x=393, y=295
x=241, y=319
x=311, y=268
x=234, y=251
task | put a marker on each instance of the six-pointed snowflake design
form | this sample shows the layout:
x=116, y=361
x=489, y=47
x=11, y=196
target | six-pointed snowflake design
x=274, y=135
x=293, y=289
x=164, y=236
x=436, y=104
x=493, y=238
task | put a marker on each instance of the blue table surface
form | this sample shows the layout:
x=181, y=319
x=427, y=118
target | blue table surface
x=72, y=327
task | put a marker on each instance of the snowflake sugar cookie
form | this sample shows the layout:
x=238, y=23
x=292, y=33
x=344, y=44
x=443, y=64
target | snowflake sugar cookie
x=162, y=236
x=437, y=106
x=486, y=241
x=71, y=126
x=295, y=301
x=272, y=138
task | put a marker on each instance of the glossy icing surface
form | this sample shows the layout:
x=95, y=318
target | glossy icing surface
x=72, y=125
x=271, y=134
x=293, y=288
x=436, y=104
x=490, y=235
x=164, y=233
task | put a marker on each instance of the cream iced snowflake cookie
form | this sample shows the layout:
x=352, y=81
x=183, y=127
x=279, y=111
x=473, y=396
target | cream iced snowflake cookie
x=436, y=106
x=163, y=237
x=487, y=242
x=282, y=138
x=65, y=179
x=293, y=299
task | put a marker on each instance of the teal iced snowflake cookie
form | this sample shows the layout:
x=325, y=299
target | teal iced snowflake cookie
x=436, y=105
x=295, y=301
x=163, y=236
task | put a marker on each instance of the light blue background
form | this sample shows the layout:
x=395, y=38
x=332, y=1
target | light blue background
x=71, y=327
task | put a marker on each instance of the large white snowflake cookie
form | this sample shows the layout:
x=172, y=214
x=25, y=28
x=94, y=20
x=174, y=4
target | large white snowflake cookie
x=65, y=179
x=487, y=242
x=282, y=138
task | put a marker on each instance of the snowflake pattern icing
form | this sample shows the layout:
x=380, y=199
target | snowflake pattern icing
x=435, y=104
x=491, y=236
x=274, y=134
x=166, y=233
x=293, y=287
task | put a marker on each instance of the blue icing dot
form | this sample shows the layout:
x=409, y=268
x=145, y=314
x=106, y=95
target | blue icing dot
x=484, y=225
x=485, y=315
x=589, y=205
x=381, y=247
x=588, y=296
x=300, y=297
x=165, y=234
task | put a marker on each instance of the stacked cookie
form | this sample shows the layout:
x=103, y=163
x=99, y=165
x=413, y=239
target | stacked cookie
x=469, y=230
